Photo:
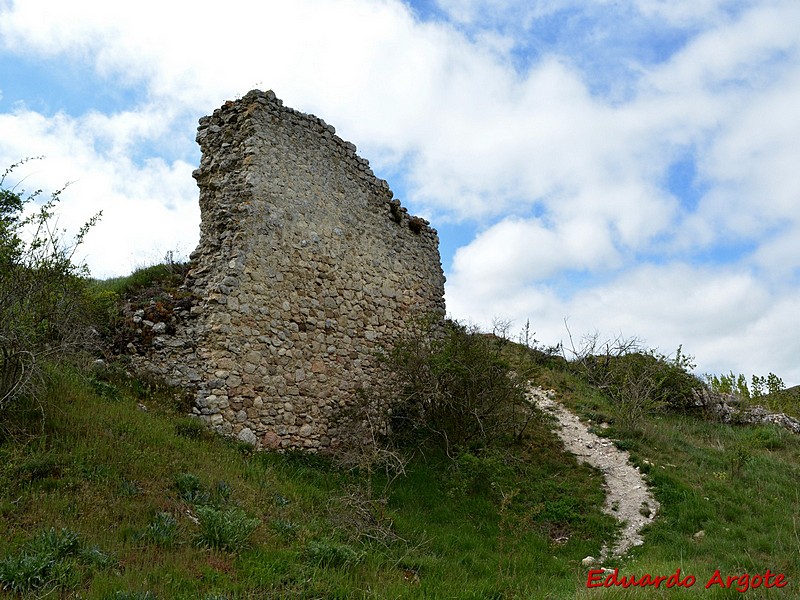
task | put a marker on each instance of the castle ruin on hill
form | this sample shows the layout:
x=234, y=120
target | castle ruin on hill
x=307, y=268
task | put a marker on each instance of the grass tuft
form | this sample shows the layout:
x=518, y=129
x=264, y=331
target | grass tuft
x=225, y=528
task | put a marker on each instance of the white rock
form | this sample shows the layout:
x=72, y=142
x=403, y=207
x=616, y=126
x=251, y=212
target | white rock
x=246, y=435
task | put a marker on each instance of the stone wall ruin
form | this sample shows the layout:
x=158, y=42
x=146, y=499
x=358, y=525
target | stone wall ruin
x=306, y=268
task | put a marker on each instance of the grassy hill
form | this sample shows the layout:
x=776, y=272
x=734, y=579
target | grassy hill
x=161, y=509
x=108, y=491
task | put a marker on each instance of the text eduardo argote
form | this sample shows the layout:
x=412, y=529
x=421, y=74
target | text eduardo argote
x=743, y=582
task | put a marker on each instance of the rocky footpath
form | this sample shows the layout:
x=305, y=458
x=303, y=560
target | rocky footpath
x=628, y=499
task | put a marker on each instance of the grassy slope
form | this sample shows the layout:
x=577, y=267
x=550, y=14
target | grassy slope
x=98, y=465
x=101, y=467
x=739, y=485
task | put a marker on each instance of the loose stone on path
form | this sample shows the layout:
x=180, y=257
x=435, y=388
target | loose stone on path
x=628, y=498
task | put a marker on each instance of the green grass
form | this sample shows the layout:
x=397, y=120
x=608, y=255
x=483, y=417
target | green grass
x=162, y=276
x=739, y=485
x=185, y=514
x=169, y=511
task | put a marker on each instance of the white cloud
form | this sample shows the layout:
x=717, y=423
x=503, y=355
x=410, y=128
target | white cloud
x=516, y=251
x=149, y=208
x=727, y=318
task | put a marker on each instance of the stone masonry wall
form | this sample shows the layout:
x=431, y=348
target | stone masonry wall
x=306, y=268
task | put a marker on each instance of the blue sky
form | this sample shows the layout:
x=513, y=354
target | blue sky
x=629, y=166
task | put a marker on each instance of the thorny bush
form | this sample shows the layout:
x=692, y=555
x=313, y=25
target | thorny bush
x=638, y=380
x=456, y=391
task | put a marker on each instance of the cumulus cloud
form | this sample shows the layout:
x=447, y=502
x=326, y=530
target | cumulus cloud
x=144, y=205
x=728, y=319
x=728, y=99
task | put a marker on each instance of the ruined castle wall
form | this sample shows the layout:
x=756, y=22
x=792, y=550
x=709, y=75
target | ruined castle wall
x=306, y=268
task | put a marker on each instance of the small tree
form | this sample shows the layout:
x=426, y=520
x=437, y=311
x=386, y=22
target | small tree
x=457, y=391
x=44, y=303
x=734, y=384
x=730, y=384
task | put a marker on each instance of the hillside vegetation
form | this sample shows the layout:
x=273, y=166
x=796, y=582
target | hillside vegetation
x=108, y=490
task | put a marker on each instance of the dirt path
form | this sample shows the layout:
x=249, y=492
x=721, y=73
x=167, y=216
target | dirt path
x=628, y=498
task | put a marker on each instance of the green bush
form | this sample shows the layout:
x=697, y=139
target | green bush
x=482, y=475
x=46, y=308
x=639, y=381
x=653, y=378
x=167, y=275
x=456, y=391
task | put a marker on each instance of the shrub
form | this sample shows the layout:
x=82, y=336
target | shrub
x=226, y=528
x=638, y=380
x=46, y=309
x=767, y=390
x=730, y=384
x=482, y=475
x=456, y=390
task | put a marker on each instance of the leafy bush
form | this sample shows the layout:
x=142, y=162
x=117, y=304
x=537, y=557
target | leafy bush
x=46, y=307
x=225, y=528
x=168, y=275
x=638, y=380
x=769, y=388
x=730, y=384
x=456, y=390
x=481, y=475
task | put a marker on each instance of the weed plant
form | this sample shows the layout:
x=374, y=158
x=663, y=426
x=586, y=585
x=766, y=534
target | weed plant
x=163, y=531
x=50, y=560
x=226, y=528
